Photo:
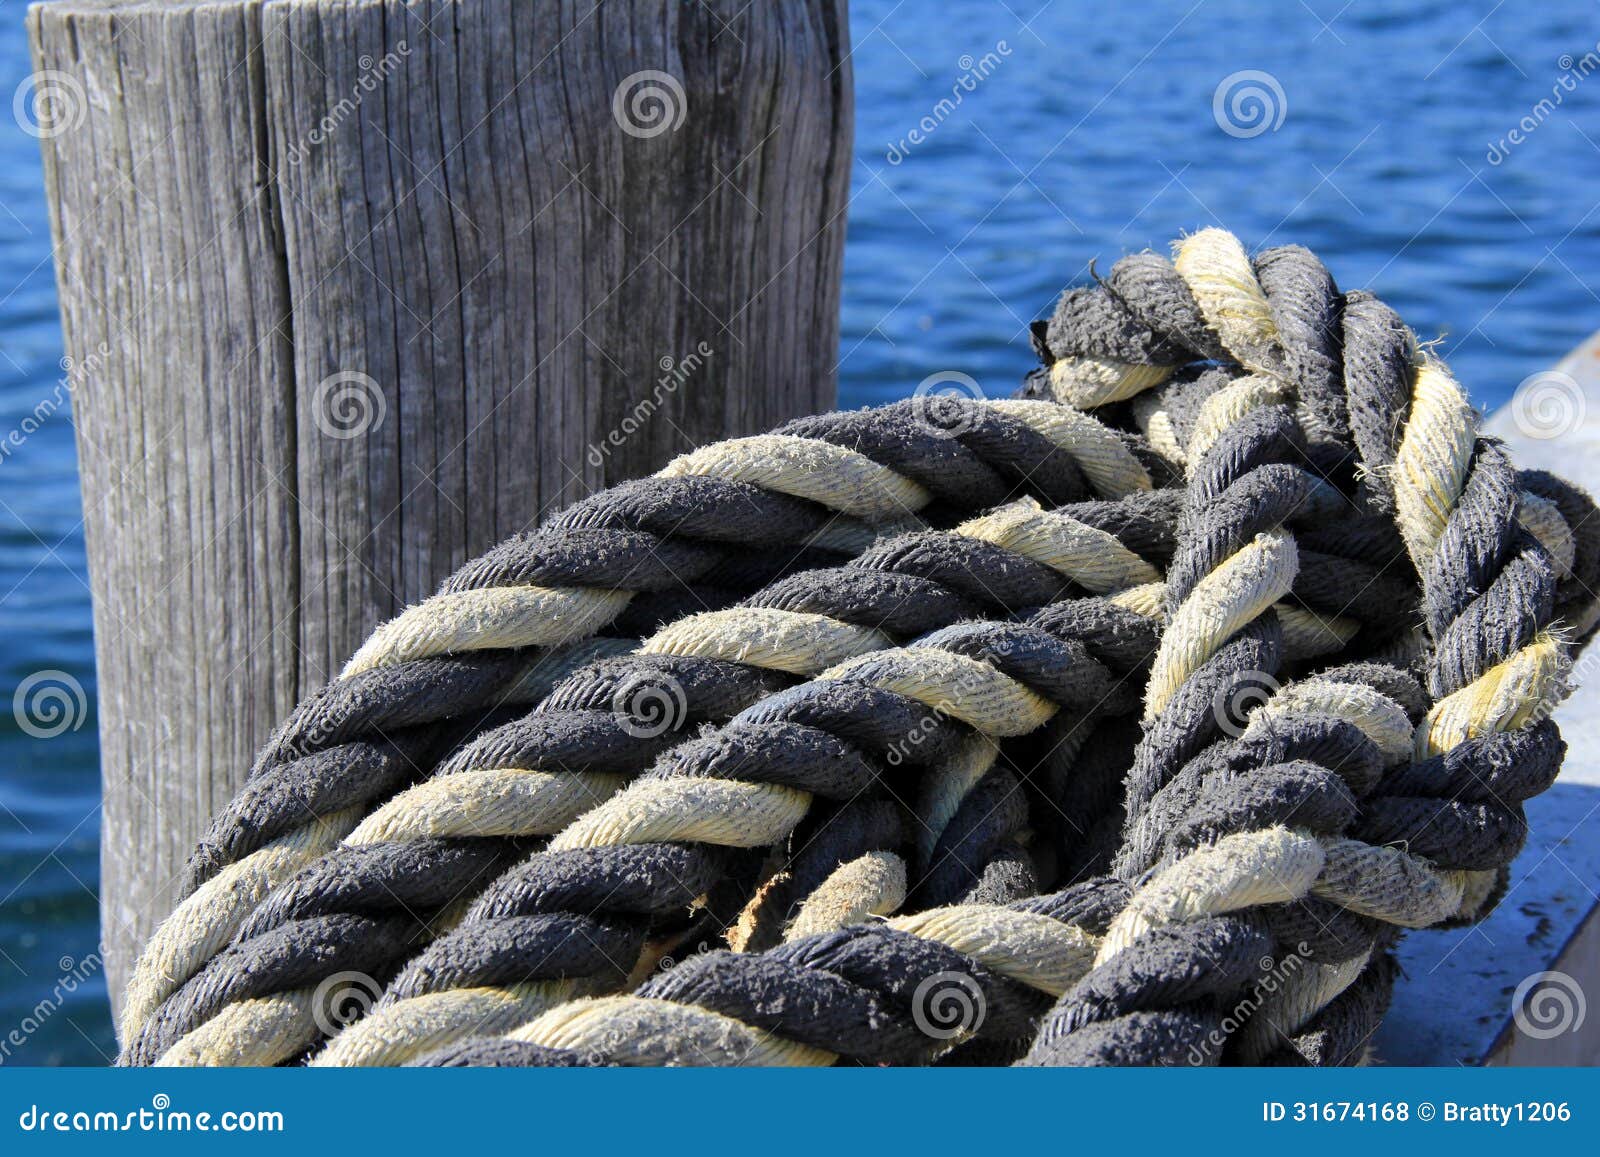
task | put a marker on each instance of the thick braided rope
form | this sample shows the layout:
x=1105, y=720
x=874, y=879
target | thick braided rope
x=1503, y=559
x=1374, y=881
x=1489, y=594
x=1347, y=362
x=897, y=992
x=1345, y=720
x=875, y=994
x=1253, y=578
x=1006, y=860
x=1499, y=674
x=1421, y=458
x=769, y=1010
x=637, y=860
x=1448, y=814
x=1329, y=1002
x=532, y=777
x=960, y=689
x=687, y=533
x=1225, y=852
x=1019, y=527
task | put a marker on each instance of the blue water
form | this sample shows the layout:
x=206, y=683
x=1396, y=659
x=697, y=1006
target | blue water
x=1090, y=132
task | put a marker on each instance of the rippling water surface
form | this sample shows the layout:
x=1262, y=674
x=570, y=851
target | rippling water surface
x=1069, y=133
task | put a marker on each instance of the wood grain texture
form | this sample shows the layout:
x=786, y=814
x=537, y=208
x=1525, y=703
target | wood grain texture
x=376, y=284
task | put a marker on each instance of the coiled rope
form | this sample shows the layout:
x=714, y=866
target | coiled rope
x=965, y=453
x=455, y=1000
x=764, y=773
x=1335, y=487
x=1174, y=946
x=1233, y=565
x=535, y=775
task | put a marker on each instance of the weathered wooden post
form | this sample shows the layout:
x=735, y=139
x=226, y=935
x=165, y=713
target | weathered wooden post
x=359, y=287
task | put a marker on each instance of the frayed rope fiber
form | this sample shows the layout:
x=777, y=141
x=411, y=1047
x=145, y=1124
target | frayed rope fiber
x=1130, y=721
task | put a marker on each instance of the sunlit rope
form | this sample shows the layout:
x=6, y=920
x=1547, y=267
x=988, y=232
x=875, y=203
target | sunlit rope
x=1337, y=494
